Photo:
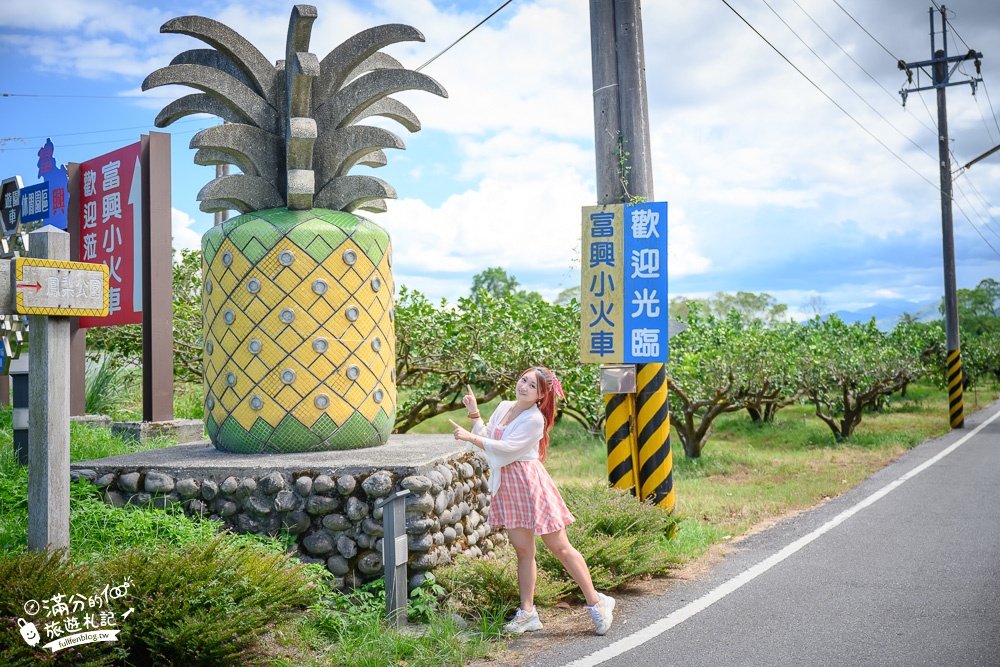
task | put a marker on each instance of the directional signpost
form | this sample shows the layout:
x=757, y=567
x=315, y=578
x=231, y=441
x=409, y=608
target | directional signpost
x=50, y=289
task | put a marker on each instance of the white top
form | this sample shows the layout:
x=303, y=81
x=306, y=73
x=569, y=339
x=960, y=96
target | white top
x=520, y=439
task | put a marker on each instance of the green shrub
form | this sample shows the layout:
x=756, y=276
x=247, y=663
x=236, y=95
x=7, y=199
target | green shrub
x=207, y=603
x=105, y=385
x=621, y=539
x=39, y=576
x=480, y=585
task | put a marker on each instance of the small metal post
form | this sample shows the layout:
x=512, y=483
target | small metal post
x=19, y=381
x=395, y=554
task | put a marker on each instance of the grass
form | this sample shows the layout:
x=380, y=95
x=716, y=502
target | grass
x=747, y=475
x=752, y=473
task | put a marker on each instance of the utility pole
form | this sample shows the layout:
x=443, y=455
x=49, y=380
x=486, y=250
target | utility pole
x=621, y=127
x=939, y=63
x=220, y=171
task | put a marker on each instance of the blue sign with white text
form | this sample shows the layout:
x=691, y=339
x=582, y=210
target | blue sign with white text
x=645, y=293
x=35, y=202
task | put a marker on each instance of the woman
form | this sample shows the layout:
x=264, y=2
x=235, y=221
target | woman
x=523, y=498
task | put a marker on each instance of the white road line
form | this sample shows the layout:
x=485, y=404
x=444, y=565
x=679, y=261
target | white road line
x=687, y=611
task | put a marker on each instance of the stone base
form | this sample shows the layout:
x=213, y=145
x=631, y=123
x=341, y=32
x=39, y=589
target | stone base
x=93, y=421
x=180, y=430
x=326, y=500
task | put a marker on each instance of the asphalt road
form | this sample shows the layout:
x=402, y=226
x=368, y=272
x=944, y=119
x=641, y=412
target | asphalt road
x=903, y=570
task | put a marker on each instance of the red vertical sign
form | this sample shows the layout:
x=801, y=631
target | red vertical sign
x=111, y=230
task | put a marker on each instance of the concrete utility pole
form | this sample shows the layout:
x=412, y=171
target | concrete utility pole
x=621, y=125
x=220, y=171
x=939, y=63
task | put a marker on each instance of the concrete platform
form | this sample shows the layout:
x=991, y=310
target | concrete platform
x=179, y=430
x=420, y=453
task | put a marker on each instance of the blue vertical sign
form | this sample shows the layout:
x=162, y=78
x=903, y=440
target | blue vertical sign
x=645, y=293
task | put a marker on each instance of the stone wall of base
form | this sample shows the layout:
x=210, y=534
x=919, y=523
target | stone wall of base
x=331, y=517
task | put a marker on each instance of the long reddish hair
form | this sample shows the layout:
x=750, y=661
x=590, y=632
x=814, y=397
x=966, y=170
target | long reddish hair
x=546, y=404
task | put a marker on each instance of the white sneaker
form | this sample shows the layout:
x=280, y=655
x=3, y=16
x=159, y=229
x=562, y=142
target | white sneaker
x=524, y=622
x=601, y=613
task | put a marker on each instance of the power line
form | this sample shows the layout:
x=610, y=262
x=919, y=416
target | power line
x=115, y=97
x=90, y=97
x=94, y=143
x=832, y=71
x=989, y=132
x=985, y=203
x=969, y=220
x=984, y=219
x=866, y=31
x=893, y=96
x=948, y=21
x=117, y=129
x=986, y=90
x=448, y=48
x=833, y=101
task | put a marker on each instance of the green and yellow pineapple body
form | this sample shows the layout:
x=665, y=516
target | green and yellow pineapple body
x=298, y=310
x=299, y=339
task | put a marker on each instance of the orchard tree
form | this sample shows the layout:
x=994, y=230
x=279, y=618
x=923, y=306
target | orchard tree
x=720, y=365
x=770, y=379
x=979, y=308
x=981, y=357
x=749, y=305
x=124, y=342
x=703, y=376
x=486, y=343
x=496, y=282
x=566, y=296
x=847, y=368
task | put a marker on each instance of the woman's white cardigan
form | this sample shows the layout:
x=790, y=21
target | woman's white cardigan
x=520, y=439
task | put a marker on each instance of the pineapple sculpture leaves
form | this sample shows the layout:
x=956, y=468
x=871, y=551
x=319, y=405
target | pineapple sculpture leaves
x=298, y=290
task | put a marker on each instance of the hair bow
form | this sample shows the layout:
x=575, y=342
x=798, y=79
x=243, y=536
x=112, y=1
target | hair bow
x=556, y=385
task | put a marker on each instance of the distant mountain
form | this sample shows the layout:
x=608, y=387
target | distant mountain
x=888, y=313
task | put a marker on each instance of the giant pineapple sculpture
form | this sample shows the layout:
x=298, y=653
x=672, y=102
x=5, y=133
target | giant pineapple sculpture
x=298, y=291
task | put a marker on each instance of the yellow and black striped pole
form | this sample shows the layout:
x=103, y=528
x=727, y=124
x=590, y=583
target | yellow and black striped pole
x=618, y=411
x=956, y=409
x=655, y=462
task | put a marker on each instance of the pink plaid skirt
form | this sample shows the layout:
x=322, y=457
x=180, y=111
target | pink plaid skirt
x=528, y=498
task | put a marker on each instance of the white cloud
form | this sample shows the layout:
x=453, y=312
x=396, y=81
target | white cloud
x=183, y=232
x=770, y=185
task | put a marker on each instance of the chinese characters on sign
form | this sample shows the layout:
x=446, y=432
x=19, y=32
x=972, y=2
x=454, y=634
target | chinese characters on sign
x=35, y=202
x=624, y=284
x=110, y=230
x=11, y=205
x=57, y=183
x=56, y=287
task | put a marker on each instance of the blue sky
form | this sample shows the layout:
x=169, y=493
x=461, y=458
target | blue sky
x=771, y=187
